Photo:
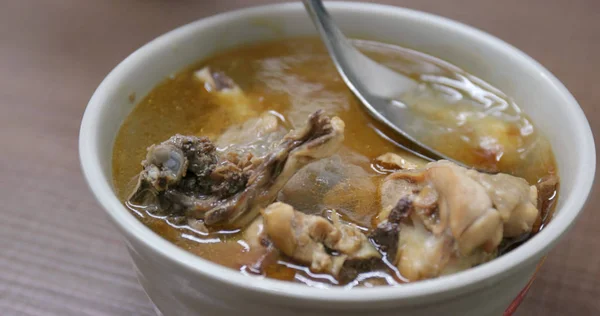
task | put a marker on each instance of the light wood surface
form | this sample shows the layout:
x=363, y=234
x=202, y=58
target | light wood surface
x=59, y=254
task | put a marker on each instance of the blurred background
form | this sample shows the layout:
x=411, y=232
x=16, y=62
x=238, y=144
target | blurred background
x=59, y=254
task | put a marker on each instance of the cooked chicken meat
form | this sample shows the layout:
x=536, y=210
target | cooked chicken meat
x=445, y=216
x=311, y=240
x=189, y=177
x=177, y=162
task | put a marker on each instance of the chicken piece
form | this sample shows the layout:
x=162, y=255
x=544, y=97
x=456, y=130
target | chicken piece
x=420, y=253
x=387, y=232
x=189, y=177
x=513, y=198
x=186, y=173
x=310, y=239
x=416, y=251
x=226, y=93
x=446, y=217
x=465, y=209
x=394, y=188
x=167, y=164
x=320, y=138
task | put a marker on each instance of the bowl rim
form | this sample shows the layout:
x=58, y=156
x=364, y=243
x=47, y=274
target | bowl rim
x=89, y=141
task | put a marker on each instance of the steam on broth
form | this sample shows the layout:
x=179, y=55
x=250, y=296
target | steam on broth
x=260, y=159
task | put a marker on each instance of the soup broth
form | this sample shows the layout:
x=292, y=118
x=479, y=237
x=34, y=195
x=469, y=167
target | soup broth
x=292, y=78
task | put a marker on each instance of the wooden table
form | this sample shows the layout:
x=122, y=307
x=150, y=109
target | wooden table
x=59, y=255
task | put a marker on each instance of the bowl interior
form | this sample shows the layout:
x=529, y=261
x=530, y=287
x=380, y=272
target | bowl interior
x=548, y=103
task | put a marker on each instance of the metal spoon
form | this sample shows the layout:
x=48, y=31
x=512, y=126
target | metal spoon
x=376, y=86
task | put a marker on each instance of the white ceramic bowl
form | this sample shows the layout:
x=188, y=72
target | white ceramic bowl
x=180, y=283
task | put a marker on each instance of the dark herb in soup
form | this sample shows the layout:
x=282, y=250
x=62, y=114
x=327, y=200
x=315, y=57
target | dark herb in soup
x=260, y=159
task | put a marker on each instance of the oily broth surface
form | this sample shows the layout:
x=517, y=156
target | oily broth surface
x=293, y=77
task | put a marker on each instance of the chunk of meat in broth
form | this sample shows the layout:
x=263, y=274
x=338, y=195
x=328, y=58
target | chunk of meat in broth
x=337, y=248
x=172, y=162
x=186, y=176
x=445, y=218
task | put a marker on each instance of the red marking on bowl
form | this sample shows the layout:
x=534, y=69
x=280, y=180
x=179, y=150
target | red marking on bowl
x=517, y=301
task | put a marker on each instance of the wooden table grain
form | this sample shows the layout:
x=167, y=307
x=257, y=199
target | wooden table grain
x=59, y=255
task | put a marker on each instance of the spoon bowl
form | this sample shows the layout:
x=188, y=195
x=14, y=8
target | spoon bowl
x=377, y=87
